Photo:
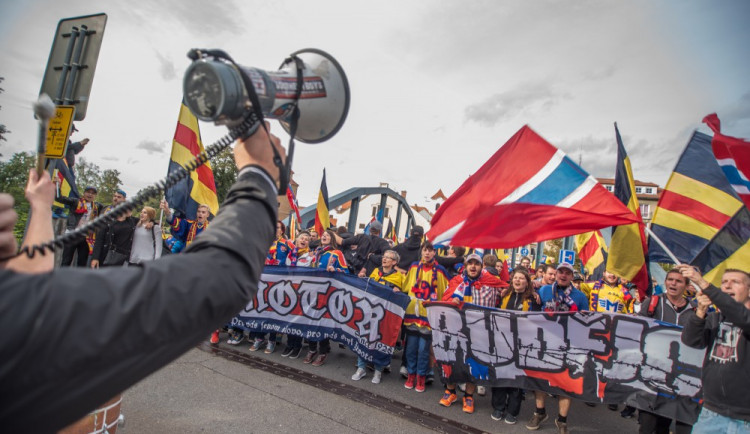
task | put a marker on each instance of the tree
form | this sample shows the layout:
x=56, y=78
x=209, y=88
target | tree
x=13, y=176
x=3, y=130
x=552, y=248
x=225, y=173
x=87, y=174
x=110, y=182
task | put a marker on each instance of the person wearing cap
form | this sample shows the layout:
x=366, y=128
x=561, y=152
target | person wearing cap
x=82, y=211
x=369, y=252
x=480, y=287
x=608, y=295
x=410, y=249
x=561, y=296
x=118, y=197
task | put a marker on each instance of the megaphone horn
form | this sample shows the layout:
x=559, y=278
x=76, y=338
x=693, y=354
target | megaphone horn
x=214, y=92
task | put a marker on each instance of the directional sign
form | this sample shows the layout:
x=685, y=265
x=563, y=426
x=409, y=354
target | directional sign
x=567, y=256
x=59, y=131
x=524, y=251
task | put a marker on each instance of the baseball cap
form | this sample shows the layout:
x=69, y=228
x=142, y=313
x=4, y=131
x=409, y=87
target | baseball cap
x=566, y=266
x=376, y=226
x=577, y=276
x=417, y=230
x=122, y=192
x=473, y=256
x=92, y=188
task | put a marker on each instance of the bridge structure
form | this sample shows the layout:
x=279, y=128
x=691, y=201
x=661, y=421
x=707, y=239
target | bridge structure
x=355, y=195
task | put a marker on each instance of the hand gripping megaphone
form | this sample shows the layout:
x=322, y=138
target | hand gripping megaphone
x=215, y=90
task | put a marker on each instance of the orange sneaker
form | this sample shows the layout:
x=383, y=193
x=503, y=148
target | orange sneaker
x=468, y=404
x=448, y=398
x=215, y=337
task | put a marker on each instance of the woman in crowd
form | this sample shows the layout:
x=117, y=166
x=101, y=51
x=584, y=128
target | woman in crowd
x=330, y=258
x=147, y=243
x=506, y=401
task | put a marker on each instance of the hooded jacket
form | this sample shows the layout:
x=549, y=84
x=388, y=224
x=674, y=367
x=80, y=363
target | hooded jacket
x=726, y=366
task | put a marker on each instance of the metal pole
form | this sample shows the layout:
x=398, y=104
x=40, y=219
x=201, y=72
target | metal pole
x=66, y=65
x=353, y=212
x=75, y=66
x=398, y=219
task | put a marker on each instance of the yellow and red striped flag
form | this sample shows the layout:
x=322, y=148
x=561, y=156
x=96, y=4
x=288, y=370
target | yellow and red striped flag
x=199, y=188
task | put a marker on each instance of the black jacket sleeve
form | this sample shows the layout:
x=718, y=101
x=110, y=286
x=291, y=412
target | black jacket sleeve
x=101, y=244
x=76, y=337
x=734, y=312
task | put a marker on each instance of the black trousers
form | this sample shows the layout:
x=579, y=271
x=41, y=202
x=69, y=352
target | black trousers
x=322, y=347
x=651, y=423
x=294, y=341
x=506, y=399
x=82, y=248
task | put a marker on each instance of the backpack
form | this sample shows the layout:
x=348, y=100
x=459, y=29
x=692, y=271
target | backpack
x=652, y=305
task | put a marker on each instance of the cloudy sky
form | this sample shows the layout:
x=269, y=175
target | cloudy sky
x=437, y=86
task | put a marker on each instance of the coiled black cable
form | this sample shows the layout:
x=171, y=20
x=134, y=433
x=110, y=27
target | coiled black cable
x=241, y=131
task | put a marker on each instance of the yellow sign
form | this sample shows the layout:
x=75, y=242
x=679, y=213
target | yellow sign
x=59, y=131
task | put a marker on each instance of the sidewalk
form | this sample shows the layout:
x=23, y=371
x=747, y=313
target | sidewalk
x=256, y=392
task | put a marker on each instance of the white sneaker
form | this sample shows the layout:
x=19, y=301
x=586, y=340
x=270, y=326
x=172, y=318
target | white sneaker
x=360, y=374
x=403, y=371
x=376, y=377
x=481, y=391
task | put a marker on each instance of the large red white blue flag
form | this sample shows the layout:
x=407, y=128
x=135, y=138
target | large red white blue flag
x=528, y=191
x=733, y=155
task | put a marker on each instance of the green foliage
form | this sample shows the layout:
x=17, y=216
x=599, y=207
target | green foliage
x=225, y=173
x=13, y=176
x=552, y=248
x=106, y=182
x=4, y=131
x=110, y=182
x=87, y=174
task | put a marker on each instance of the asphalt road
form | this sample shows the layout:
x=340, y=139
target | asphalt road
x=232, y=390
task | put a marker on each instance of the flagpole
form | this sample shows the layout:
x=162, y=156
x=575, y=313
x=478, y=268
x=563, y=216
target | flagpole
x=668, y=252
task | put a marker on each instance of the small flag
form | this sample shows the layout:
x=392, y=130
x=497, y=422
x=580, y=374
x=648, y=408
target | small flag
x=322, y=219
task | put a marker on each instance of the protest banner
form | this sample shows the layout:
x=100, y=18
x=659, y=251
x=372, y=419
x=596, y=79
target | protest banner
x=593, y=357
x=316, y=304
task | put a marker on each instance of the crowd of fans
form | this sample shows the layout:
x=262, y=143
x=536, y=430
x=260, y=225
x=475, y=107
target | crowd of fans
x=418, y=269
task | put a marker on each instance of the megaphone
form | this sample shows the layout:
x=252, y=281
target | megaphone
x=215, y=91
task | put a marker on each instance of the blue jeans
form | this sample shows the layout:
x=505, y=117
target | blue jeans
x=418, y=353
x=362, y=363
x=712, y=422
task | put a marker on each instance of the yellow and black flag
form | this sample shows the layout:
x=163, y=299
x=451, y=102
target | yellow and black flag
x=66, y=179
x=628, y=250
x=199, y=188
x=695, y=204
x=322, y=220
x=729, y=249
